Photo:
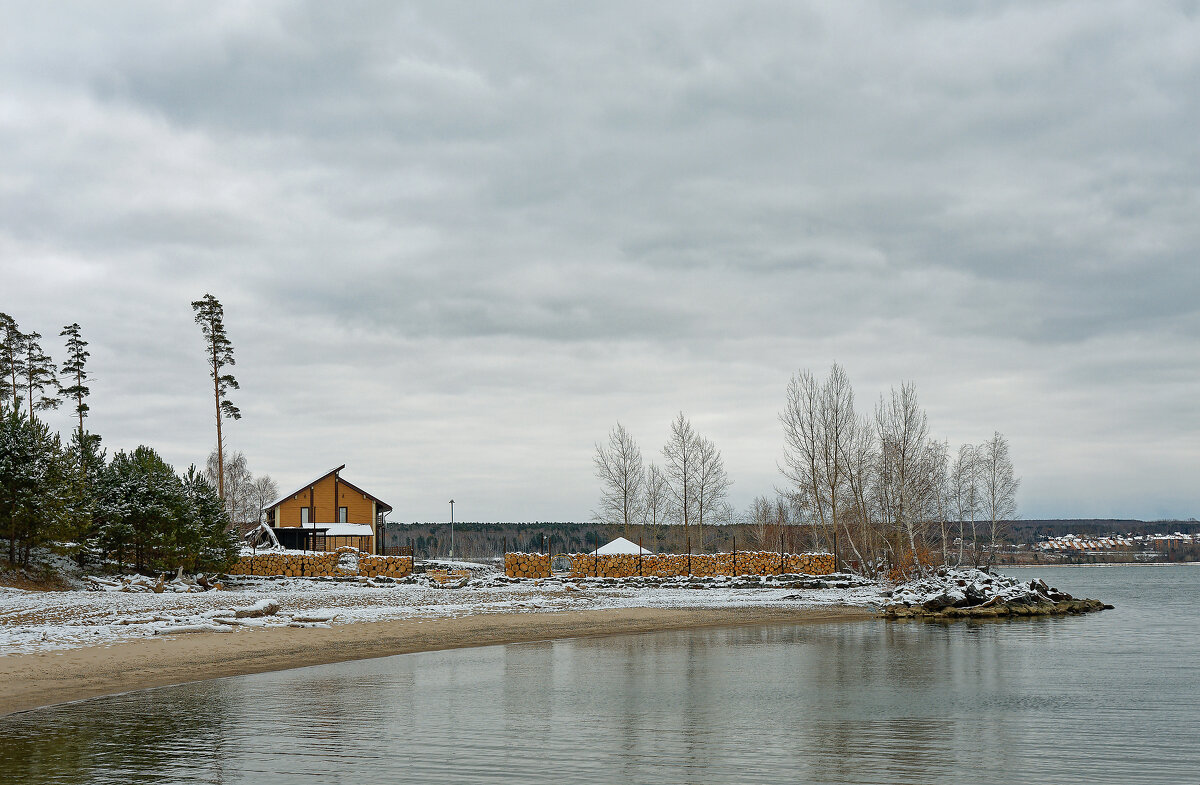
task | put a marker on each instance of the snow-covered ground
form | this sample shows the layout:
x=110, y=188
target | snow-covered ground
x=35, y=621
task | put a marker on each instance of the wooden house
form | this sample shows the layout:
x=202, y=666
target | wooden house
x=326, y=514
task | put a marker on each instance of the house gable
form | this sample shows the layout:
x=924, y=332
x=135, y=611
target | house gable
x=319, y=498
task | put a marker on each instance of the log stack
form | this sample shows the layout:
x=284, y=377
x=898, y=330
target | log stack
x=809, y=563
x=386, y=566
x=292, y=565
x=527, y=565
x=669, y=565
x=623, y=565
x=449, y=578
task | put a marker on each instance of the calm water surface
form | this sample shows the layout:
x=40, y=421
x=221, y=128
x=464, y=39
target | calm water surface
x=1108, y=698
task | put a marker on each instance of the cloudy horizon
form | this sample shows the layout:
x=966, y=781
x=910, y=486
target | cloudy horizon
x=456, y=243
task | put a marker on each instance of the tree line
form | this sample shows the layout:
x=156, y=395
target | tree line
x=132, y=509
x=482, y=540
x=876, y=489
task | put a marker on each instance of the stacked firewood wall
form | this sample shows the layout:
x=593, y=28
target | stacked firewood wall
x=386, y=566
x=669, y=565
x=320, y=564
x=292, y=565
x=809, y=563
x=527, y=565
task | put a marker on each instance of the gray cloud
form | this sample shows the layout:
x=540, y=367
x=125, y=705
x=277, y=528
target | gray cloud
x=456, y=241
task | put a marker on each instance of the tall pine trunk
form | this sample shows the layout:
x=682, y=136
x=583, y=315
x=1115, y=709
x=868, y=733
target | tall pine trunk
x=220, y=446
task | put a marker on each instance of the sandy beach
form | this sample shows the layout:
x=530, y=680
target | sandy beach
x=43, y=679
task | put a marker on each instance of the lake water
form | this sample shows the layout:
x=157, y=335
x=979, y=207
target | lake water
x=1112, y=697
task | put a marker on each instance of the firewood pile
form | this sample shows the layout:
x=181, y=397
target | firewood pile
x=809, y=563
x=449, y=579
x=667, y=565
x=527, y=565
x=386, y=566
x=292, y=565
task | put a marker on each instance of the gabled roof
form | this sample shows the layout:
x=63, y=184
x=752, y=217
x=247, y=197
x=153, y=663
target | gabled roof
x=383, y=506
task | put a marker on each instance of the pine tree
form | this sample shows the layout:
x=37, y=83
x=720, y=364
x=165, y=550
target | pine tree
x=34, y=489
x=41, y=374
x=141, y=506
x=12, y=345
x=214, y=546
x=219, y=350
x=75, y=370
x=85, y=455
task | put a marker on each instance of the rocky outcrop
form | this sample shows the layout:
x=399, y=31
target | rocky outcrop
x=978, y=594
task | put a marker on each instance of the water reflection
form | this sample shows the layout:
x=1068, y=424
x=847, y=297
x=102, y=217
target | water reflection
x=1104, y=698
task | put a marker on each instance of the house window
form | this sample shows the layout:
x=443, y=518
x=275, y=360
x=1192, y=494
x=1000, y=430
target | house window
x=341, y=515
x=303, y=516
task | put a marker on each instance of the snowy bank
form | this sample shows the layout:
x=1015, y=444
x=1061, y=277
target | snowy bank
x=53, y=621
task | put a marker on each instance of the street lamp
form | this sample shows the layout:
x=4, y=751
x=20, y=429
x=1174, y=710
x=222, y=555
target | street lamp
x=451, y=528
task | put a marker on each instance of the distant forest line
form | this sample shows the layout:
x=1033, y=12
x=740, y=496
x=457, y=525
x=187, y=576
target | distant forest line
x=474, y=539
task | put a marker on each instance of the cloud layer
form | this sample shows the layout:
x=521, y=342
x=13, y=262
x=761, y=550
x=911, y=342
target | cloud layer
x=456, y=242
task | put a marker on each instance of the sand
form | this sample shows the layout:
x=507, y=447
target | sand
x=35, y=680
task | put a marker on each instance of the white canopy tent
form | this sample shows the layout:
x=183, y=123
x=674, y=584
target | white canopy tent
x=620, y=546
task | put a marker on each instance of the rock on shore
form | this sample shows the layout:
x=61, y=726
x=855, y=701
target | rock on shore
x=978, y=594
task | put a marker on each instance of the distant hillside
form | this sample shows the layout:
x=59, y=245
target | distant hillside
x=484, y=540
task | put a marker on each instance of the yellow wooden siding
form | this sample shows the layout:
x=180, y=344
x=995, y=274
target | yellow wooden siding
x=359, y=509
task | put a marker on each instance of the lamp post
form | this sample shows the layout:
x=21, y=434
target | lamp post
x=451, y=528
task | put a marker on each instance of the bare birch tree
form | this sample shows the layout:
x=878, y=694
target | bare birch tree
x=861, y=460
x=937, y=492
x=999, y=488
x=761, y=518
x=801, y=420
x=712, y=484
x=681, y=456
x=903, y=431
x=819, y=424
x=622, y=478
x=657, y=510
x=263, y=492
x=964, y=491
x=238, y=482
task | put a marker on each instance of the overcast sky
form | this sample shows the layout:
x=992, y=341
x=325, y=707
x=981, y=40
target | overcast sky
x=456, y=242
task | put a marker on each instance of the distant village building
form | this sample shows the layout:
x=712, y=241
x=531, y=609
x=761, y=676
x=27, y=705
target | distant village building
x=327, y=513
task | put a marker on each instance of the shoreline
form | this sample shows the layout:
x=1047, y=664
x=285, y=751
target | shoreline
x=34, y=681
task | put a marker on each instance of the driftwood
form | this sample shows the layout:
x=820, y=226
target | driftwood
x=260, y=608
x=192, y=628
x=314, y=617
